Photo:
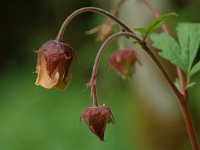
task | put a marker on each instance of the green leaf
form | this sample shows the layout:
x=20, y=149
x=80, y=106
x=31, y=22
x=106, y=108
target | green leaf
x=195, y=68
x=143, y=31
x=190, y=85
x=169, y=49
x=156, y=23
x=189, y=39
x=182, y=54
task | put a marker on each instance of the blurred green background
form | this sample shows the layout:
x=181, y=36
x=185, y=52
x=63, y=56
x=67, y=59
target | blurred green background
x=33, y=118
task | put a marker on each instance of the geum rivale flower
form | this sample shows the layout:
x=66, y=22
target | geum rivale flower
x=96, y=118
x=123, y=62
x=54, y=60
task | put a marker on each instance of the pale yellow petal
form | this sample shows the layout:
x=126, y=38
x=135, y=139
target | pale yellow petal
x=62, y=84
x=43, y=78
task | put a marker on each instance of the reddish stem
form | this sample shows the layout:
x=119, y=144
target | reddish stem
x=182, y=81
x=89, y=9
x=93, y=92
x=189, y=126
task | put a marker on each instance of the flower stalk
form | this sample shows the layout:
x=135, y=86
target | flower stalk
x=89, y=9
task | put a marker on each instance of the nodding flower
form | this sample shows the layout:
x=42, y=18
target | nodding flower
x=54, y=60
x=96, y=118
x=123, y=62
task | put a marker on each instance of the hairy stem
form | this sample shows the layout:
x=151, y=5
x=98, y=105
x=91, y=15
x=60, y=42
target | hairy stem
x=89, y=9
x=165, y=29
x=189, y=126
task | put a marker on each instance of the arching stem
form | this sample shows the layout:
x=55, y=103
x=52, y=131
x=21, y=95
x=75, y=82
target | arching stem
x=180, y=97
x=88, y=9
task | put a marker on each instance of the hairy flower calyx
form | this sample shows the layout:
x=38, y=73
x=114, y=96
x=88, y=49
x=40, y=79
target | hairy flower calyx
x=97, y=118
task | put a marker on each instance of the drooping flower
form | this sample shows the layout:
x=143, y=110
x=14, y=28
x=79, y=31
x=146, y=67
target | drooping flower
x=123, y=62
x=96, y=118
x=54, y=60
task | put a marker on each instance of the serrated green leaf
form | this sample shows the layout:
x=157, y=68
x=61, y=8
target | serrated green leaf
x=184, y=53
x=156, y=23
x=190, y=85
x=195, y=68
x=169, y=49
x=189, y=39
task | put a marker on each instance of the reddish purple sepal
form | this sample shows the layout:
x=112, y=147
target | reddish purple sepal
x=123, y=62
x=97, y=118
x=53, y=52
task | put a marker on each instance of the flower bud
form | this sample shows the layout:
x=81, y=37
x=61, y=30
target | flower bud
x=54, y=60
x=123, y=62
x=96, y=119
